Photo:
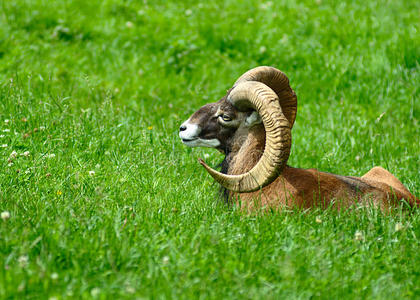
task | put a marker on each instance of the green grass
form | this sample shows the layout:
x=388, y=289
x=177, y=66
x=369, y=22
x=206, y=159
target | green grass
x=103, y=86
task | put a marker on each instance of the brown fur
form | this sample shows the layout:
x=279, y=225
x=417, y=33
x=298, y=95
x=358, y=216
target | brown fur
x=307, y=188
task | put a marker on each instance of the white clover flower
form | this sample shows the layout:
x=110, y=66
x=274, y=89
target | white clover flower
x=91, y=173
x=7, y=121
x=399, y=226
x=6, y=130
x=95, y=292
x=51, y=155
x=5, y=215
x=41, y=127
x=14, y=154
x=23, y=261
x=188, y=12
x=54, y=276
x=358, y=236
x=4, y=146
x=1, y=135
x=26, y=153
x=165, y=260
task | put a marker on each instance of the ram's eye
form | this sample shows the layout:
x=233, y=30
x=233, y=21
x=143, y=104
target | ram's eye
x=226, y=118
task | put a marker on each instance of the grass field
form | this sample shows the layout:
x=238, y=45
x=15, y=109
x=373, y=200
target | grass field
x=104, y=200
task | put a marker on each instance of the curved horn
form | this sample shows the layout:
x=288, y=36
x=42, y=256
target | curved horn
x=258, y=96
x=279, y=83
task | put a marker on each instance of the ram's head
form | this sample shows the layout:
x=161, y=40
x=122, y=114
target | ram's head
x=260, y=95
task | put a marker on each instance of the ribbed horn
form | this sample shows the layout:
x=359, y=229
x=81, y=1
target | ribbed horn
x=279, y=83
x=258, y=96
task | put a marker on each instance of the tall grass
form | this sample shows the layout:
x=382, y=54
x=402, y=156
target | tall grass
x=104, y=200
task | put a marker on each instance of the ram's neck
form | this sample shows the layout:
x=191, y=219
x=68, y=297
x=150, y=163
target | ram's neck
x=246, y=151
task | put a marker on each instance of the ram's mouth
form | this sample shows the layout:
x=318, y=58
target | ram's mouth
x=188, y=140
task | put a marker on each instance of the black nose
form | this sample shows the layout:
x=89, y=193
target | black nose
x=182, y=128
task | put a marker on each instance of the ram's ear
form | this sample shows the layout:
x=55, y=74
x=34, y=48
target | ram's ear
x=252, y=119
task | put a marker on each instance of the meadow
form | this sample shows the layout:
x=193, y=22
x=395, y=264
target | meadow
x=100, y=199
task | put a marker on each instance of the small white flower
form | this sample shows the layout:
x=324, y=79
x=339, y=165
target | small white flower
x=357, y=157
x=4, y=146
x=188, y=12
x=399, y=226
x=129, y=24
x=318, y=220
x=6, y=130
x=1, y=135
x=7, y=121
x=5, y=215
x=95, y=292
x=91, y=173
x=263, y=49
x=54, y=276
x=358, y=236
x=13, y=154
x=206, y=155
x=41, y=127
x=51, y=155
x=26, y=153
x=165, y=260
x=10, y=164
x=23, y=261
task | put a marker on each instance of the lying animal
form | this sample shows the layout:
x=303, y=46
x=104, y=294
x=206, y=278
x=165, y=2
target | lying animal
x=252, y=126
